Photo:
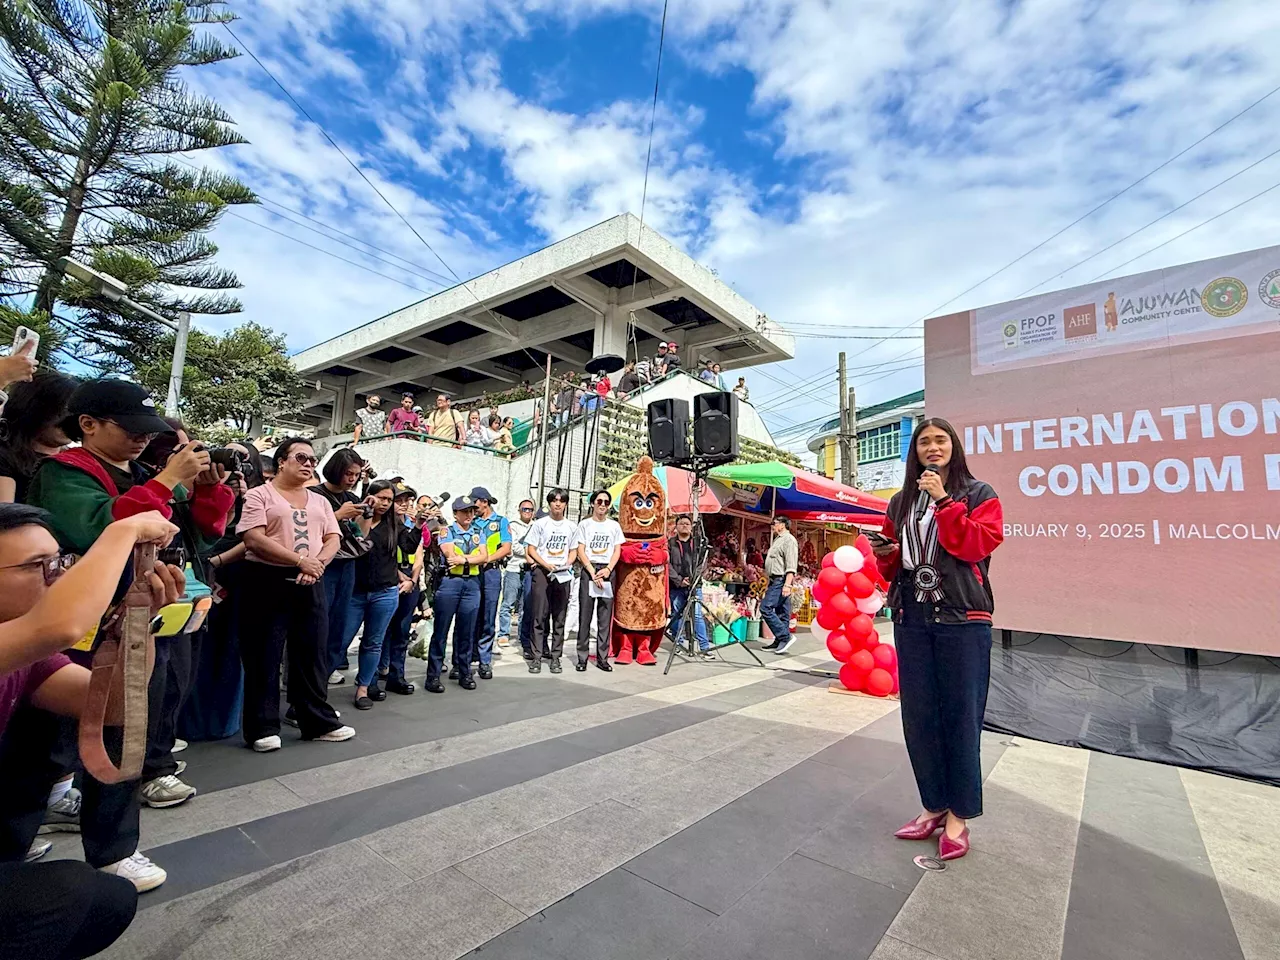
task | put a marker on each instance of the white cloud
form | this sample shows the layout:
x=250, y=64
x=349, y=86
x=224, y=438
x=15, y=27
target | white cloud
x=925, y=146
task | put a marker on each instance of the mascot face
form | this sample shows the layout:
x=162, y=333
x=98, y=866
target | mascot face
x=642, y=508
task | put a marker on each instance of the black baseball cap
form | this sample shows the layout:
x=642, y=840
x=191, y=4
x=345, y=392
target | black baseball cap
x=120, y=401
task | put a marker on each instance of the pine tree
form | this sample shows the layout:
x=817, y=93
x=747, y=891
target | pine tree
x=93, y=113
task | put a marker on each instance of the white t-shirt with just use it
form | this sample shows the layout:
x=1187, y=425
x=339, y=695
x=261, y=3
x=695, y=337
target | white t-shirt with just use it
x=600, y=537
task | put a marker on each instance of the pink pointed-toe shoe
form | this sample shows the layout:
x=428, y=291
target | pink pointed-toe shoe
x=953, y=848
x=921, y=829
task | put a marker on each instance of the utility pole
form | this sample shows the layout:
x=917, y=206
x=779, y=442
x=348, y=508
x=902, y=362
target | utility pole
x=842, y=438
x=852, y=406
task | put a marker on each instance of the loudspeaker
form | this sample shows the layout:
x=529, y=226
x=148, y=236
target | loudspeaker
x=715, y=425
x=668, y=430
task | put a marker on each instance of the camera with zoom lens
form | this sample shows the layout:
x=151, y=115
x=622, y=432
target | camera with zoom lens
x=174, y=556
x=230, y=458
x=366, y=511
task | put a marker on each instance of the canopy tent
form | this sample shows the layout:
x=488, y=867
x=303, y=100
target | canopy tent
x=773, y=487
x=676, y=484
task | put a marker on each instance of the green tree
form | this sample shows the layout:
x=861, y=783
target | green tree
x=93, y=111
x=230, y=378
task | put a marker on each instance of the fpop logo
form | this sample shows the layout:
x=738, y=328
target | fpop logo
x=1010, y=334
x=1224, y=297
x=1081, y=321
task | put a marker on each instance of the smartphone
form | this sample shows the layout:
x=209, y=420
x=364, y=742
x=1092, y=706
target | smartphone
x=879, y=539
x=24, y=335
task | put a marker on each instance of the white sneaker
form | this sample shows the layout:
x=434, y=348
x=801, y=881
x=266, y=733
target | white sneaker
x=167, y=791
x=63, y=816
x=336, y=678
x=179, y=745
x=38, y=849
x=337, y=736
x=182, y=765
x=786, y=644
x=138, y=870
x=266, y=744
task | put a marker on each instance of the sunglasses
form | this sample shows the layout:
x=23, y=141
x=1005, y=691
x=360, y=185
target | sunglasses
x=526, y=509
x=602, y=501
x=305, y=460
x=52, y=567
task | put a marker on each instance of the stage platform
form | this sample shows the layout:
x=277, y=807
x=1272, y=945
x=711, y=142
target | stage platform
x=719, y=812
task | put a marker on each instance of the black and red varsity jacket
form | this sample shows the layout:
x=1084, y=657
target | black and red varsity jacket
x=970, y=527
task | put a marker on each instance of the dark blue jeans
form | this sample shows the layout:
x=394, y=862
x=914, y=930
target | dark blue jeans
x=486, y=619
x=512, y=581
x=456, y=602
x=943, y=672
x=775, y=609
x=339, y=584
x=396, y=643
x=375, y=608
x=680, y=597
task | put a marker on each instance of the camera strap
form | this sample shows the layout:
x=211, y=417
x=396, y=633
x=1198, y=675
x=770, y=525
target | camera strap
x=119, y=675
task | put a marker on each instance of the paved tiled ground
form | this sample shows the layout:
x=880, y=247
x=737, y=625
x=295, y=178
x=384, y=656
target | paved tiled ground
x=716, y=813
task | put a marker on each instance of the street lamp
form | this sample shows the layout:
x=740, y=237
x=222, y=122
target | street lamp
x=114, y=289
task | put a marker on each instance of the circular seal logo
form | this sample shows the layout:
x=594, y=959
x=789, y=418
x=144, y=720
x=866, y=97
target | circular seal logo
x=1269, y=289
x=1224, y=297
x=1010, y=329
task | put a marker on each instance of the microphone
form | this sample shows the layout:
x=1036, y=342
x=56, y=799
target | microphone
x=929, y=468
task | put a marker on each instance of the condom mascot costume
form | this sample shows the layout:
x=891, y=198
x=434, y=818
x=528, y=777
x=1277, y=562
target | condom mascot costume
x=640, y=582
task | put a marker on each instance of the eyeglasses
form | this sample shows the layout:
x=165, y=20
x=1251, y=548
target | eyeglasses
x=305, y=459
x=52, y=567
x=138, y=437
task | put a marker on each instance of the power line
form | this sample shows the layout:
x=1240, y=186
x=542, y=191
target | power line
x=354, y=166
x=653, y=116
x=1091, y=212
x=1167, y=213
x=328, y=253
x=1202, y=223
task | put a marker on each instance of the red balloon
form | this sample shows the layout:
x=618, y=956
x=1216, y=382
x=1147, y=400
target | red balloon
x=863, y=545
x=879, y=683
x=843, y=605
x=885, y=656
x=827, y=617
x=820, y=592
x=839, y=646
x=859, y=586
x=832, y=579
x=862, y=660
x=895, y=684
x=828, y=560
x=860, y=626
x=852, y=677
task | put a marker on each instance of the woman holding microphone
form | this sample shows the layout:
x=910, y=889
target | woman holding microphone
x=946, y=525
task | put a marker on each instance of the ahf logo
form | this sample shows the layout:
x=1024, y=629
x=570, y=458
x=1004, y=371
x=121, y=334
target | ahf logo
x=1081, y=321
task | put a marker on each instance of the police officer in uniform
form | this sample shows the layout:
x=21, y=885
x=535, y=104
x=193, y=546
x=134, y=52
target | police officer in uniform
x=458, y=599
x=496, y=533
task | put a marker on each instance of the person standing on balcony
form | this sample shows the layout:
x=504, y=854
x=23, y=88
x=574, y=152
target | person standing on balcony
x=371, y=419
x=444, y=422
x=403, y=418
x=629, y=382
x=741, y=390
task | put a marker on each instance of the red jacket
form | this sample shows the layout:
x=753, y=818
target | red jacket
x=970, y=527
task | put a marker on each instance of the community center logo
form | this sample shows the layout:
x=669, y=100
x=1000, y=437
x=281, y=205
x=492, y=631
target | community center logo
x=1269, y=289
x=1224, y=297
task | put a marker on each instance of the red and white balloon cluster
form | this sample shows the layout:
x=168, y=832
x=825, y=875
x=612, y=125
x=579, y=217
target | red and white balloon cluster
x=851, y=591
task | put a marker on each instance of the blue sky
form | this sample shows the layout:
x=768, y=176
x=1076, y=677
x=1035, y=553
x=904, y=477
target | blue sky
x=846, y=165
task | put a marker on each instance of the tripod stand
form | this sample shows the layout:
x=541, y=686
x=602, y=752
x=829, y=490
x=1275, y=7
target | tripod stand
x=694, y=605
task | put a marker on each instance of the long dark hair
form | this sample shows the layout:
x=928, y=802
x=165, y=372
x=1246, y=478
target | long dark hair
x=958, y=475
x=33, y=407
x=162, y=445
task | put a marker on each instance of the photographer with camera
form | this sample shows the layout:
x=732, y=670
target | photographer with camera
x=84, y=489
x=63, y=909
x=376, y=594
x=341, y=473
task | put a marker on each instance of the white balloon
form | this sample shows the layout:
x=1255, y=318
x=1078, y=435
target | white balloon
x=849, y=559
x=819, y=631
x=870, y=605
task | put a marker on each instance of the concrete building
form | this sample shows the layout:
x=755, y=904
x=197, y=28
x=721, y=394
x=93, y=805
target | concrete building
x=607, y=290
x=884, y=430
